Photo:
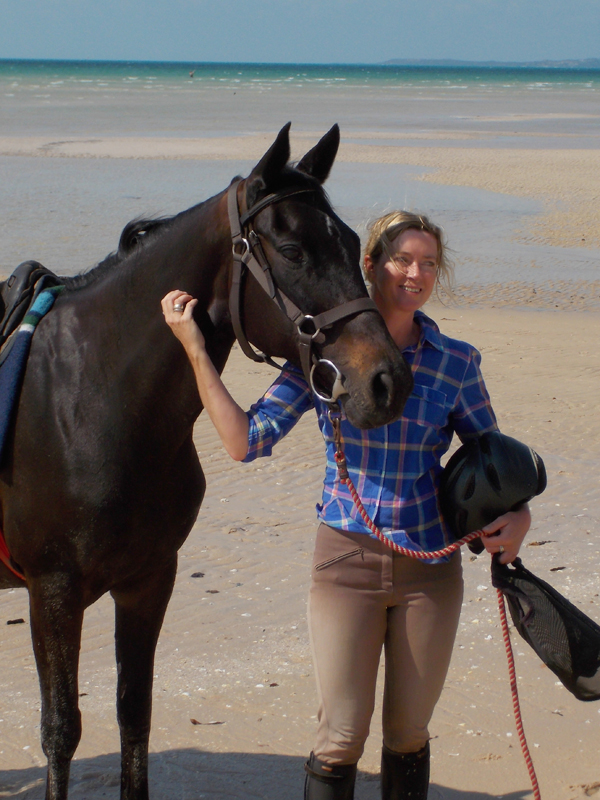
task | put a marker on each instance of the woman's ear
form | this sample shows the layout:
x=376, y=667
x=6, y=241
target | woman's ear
x=368, y=265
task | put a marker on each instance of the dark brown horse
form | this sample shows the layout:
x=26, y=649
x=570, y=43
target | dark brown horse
x=102, y=482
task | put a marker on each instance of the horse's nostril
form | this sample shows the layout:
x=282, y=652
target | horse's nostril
x=383, y=388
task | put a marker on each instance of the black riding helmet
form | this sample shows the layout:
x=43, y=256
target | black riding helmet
x=485, y=478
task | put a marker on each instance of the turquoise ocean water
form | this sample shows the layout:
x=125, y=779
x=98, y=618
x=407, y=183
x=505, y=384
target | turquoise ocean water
x=122, y=74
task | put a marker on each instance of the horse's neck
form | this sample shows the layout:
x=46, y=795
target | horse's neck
x=193, y=255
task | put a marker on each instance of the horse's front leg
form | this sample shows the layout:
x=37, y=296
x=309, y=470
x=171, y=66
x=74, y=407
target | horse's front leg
x=56, y=611
x=139, y=609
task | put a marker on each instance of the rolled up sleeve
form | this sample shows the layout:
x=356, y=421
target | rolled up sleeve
x=473, y=414
x=277, y=411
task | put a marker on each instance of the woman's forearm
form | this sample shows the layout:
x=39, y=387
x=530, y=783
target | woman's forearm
x=227, y=416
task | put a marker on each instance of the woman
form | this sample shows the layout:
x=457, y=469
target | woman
x=363, y=596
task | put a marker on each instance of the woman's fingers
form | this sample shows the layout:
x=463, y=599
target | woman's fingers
x=175, y=302
x=189, y=307
x=178, y=308
x=507, y=550
x=506, y=533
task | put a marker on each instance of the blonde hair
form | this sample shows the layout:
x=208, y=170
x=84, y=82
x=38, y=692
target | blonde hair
x=384, y=230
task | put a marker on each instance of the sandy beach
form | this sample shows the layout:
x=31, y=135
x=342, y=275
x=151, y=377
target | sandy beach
x=234, y=699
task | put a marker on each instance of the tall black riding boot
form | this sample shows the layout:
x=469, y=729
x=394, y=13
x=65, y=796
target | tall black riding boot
x=328, y=781
x=404, y=776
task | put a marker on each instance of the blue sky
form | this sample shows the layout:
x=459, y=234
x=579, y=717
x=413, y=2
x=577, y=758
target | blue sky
x=309, y=31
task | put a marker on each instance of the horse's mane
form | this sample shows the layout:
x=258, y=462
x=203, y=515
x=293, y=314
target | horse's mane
x=134, y=233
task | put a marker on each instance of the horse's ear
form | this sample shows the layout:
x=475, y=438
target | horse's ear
x=318, y=161
x=269, y=167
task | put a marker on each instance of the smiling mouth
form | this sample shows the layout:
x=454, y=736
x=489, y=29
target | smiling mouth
x=410, y=289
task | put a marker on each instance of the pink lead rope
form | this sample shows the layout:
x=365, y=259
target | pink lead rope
x=340, y=460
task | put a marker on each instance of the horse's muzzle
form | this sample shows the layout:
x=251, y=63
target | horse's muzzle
x=376, y=395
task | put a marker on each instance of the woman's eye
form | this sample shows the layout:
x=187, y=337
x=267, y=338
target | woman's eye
x=291, y=253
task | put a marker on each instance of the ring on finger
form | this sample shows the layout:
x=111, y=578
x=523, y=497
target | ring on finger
x=178, y=307
x=501, y=549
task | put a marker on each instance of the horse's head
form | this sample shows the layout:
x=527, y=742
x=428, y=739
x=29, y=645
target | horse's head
x=314, y=259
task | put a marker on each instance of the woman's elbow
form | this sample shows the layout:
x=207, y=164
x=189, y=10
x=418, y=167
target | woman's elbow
x=234, y=437
x=237, y=451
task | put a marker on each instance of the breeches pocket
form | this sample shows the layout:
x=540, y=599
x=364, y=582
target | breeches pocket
x=358, y=551
x=344, y=558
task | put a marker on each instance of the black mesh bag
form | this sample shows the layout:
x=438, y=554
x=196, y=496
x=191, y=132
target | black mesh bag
x=565, y=639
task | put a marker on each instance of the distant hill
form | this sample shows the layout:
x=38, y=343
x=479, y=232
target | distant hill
x=584, y=63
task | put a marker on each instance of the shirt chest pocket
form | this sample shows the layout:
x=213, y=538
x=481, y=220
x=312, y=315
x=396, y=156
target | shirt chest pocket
x=427, y=407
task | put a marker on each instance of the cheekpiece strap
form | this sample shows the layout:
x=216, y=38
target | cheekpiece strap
x=248, y=254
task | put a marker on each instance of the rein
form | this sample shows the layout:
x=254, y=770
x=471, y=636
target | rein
x=249, y=256
x=340, y=460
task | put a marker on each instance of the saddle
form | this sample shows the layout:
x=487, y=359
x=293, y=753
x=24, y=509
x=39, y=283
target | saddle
x=18, y=292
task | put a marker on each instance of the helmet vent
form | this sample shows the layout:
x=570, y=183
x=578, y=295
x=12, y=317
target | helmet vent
x=484, y=445
x=469, y=488
x=493, y=477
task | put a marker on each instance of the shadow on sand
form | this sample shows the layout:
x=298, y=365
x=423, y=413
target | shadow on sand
x=194, y=775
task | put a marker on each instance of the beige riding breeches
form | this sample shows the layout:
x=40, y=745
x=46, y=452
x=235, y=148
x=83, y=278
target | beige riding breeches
x=364, y=597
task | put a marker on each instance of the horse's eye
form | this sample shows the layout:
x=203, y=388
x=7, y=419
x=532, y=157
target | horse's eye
x=292, y=253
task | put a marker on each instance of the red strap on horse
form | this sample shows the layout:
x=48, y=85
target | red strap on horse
x=6, y=559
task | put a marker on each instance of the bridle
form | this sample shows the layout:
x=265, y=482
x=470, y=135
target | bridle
x=248, y=255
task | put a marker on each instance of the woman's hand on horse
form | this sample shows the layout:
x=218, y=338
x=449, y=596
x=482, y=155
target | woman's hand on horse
x=506, y=533
x=182, y=322
x=228, y=418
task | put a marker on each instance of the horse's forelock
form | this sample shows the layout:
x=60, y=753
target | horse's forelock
x=291, y=178
x=292, y=175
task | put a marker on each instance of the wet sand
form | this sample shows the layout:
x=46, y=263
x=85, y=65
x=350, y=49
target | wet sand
x=234, y=654
x=524, y=223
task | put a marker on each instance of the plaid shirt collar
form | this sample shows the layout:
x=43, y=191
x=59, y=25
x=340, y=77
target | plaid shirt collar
x=430, y=333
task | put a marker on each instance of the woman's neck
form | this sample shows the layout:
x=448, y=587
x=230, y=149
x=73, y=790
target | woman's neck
x=403, y=329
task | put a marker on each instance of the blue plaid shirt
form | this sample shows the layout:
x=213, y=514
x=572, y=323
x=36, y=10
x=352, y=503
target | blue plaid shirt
x=395, y=468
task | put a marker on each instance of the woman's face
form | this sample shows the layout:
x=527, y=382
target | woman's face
x=404, y=279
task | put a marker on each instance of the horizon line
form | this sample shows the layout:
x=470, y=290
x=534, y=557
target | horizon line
x=539, y=63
